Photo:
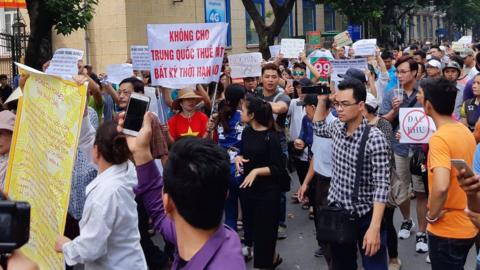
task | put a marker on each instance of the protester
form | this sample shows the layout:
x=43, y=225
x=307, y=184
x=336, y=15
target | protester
x=420, y=57
x=450, y=232
x=452, y=71
x=300, y=69
x=469, y=113
x=436, y=52
x=406, y=71
x=109, y=237
x=5, y=89
x=260, y=160
x=317, y=180
x=251, y=84
x=346, y=133
x=7, y=123
x=229, y=130
x=434, y=68
x=388, y=59
x=279, y=103
x=188, y=121
x=189, y=211
x=468, y=56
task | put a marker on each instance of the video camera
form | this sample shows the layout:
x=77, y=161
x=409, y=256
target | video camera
x=14, y=224
x=321, y=89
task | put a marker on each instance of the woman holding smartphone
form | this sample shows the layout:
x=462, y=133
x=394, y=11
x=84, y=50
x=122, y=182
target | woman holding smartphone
x=109, y=237
x=260, y=160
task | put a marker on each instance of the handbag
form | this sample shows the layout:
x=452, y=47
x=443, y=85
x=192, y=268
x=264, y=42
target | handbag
x=335, y=224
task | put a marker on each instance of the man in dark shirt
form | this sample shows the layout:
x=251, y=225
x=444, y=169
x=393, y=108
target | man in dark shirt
x=5, y=88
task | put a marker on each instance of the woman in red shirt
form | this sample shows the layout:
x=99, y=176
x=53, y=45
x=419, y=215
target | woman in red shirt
x=188, y=121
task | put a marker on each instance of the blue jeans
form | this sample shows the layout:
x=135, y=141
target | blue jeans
x=344, y=256
x=231, y=203
x=448, y=253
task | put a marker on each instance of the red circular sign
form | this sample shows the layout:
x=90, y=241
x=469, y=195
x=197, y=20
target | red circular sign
x=408, y=128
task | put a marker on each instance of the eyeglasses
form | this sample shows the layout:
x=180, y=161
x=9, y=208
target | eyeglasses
x=298, y=73
x=402, y=72
x=343, y=104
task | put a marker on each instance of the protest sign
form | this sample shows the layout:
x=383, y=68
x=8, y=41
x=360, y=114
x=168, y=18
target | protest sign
x=458, y=47
x=245, y=65
x=343, y=39
x=140, y=57
x=340, y=67
x=320, y=59
x=119, y=72
x=64, y=63
x=291, y=47
x=313, y=41
x=467, y=40
x=14, y=96
x=415, y=126
x=42, y=157
x=186, y=53
x=274, y=50
x=365, y=47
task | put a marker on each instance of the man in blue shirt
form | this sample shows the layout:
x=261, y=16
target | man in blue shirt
x=387, y=58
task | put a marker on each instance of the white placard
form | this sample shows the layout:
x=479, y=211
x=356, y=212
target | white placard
x=292, y=47
x=65, y=63
x=140, y=57
x=340, y=67
x=322, y=54
x=186, y=53
x=415, y=126
x=119, y=72
x=245, y=65
x=365, y=47
x=343, y=39
x=274, y=50
x=467, y=40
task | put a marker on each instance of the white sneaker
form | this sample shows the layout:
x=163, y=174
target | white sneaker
x=422, y=244
x=428, y=259
x=247, y=253
x=406, y=229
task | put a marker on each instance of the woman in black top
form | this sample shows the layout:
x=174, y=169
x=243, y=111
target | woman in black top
x=260, y=160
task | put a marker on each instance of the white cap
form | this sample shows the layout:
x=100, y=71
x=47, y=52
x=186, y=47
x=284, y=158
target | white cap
x=371, y=101
x=434, y=63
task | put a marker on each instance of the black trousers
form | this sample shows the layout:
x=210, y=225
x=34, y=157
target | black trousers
x=392, y=240
x=261, y=213
x=448, y=253
x=319, y=195
x=302, y=168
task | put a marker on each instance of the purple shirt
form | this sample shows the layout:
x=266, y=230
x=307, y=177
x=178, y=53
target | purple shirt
x=221, y=251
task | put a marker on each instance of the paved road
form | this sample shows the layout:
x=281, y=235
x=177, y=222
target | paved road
x=297, y=250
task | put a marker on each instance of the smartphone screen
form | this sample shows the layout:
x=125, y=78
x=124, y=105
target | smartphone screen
x=135, y=112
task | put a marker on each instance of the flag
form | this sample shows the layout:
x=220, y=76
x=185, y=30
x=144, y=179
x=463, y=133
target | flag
x=13, y=4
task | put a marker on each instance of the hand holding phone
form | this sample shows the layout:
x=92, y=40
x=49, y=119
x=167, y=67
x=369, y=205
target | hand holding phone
x=136, y=109
x=461, y=166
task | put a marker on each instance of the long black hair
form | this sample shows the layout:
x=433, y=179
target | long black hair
x=262, y=111
x=227, y=107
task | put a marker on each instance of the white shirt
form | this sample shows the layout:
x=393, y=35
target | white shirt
x=322, y=152
x=296, y=114
x=472, y=73
x=109, y=237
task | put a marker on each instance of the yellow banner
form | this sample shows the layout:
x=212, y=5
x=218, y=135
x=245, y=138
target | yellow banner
x=13, y=3
x=42, y=156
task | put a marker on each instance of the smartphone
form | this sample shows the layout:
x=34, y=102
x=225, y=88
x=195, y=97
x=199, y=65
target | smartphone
x=136, y=109
x=460, y=164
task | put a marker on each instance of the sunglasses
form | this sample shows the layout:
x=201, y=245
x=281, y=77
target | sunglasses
x=298, y=73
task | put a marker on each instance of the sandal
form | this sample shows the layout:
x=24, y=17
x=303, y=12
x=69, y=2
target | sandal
x=277, y=262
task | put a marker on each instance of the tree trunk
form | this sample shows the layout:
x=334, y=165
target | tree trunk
x=39, y=48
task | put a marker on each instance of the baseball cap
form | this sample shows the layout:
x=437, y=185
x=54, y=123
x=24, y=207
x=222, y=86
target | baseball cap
x=434, y=63
x=308, y=99
x=467, y=52
x=354, y=73
x=303, y=82
x=7, y=120
x=371, y=101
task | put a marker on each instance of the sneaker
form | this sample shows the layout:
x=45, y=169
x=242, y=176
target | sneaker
x=395, y=265
x=405, y=229
x=282, y=233
x=421, y=246
x=428, y=259
x=247, y=253
x=318, y=252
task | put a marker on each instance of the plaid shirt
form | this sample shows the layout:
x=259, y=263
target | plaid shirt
x=375, y=182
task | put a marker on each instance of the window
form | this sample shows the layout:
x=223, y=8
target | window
x=430, y=32
x=219, y=11
x=286, y=28
x=252, y=36
x=329, y=14
x=419, y=27
x=309, y=16
x=9, y=20
x=425, y=27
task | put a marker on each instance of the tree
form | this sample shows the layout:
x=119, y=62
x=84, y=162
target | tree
x=65, y=16
x=460, y=15
x=267, y=33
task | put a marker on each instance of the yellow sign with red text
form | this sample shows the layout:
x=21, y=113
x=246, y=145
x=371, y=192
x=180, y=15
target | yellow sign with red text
x=13, y=4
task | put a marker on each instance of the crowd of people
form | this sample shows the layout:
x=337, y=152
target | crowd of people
x=212, y=164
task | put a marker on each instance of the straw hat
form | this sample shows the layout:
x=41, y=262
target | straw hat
x=185, y=93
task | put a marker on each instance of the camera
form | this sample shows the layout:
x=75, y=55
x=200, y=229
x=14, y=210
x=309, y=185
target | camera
x=322, y=89
x=14, y=224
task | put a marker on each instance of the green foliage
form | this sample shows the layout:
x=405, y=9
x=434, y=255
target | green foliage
x=70, y=15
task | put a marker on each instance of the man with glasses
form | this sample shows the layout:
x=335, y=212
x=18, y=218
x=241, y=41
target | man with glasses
x=346, y=133
x=407, y=70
